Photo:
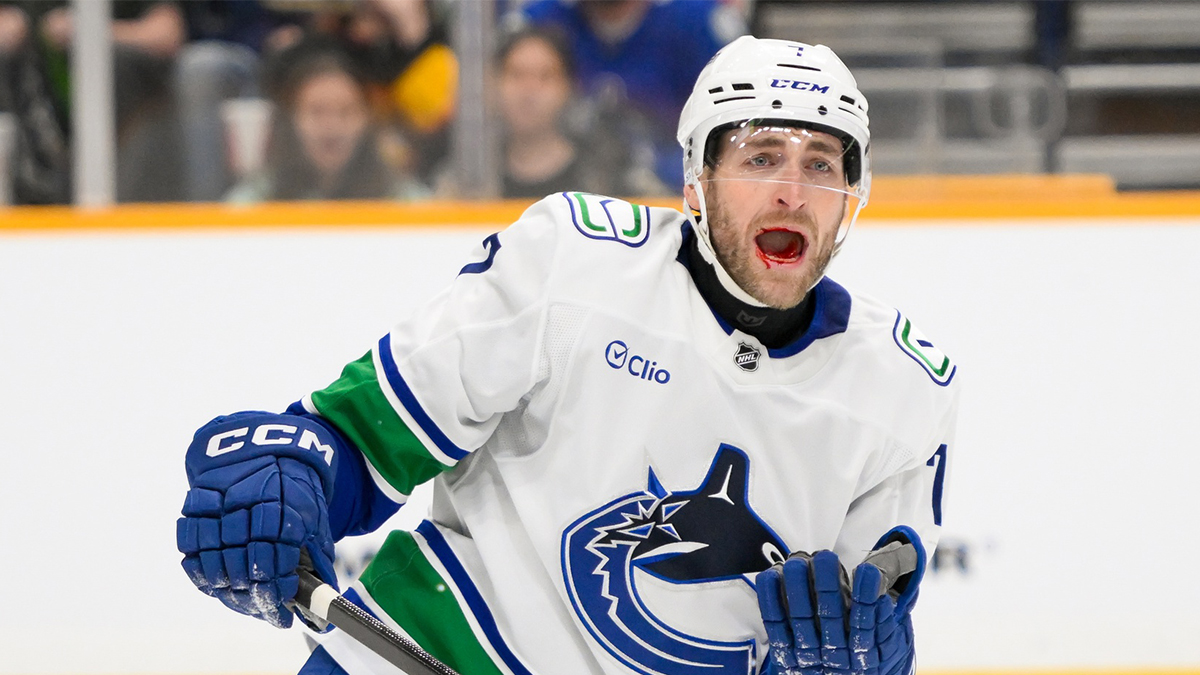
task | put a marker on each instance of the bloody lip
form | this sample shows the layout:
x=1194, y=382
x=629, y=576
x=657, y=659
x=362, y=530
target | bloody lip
x=786, y=247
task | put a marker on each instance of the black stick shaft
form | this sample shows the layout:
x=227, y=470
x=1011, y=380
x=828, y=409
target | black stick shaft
x=369, y=631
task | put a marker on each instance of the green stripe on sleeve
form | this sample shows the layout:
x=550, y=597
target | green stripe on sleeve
x=403, y=583
x=355, y=404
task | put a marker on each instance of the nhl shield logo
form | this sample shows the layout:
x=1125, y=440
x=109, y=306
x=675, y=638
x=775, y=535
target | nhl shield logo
x=747, y=357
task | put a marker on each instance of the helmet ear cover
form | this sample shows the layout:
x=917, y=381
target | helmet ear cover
x=850, y=150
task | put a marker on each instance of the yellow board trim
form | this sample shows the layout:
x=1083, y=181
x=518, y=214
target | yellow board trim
x=175, y=217
x=1018, y=197
x=894, y=199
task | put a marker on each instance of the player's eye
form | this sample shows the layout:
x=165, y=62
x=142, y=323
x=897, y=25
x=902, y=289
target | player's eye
x=759, y=161
x=822, y=166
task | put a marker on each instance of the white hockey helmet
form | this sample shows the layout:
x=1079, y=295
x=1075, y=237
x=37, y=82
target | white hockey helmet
x=778, y=82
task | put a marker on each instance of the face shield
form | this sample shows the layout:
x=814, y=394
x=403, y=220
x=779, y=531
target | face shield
x=773, y=166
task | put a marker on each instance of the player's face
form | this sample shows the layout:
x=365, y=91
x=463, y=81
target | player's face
x=330, y=115
x=776, y=200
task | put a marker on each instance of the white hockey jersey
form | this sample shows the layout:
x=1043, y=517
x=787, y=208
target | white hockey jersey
x=614, y=463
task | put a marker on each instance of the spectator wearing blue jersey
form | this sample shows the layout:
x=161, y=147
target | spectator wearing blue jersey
x=639, y=58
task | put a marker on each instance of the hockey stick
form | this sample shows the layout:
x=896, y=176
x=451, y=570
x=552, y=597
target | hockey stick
x=321, y=603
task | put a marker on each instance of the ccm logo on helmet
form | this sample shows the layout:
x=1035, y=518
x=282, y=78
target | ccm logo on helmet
x=265, y=435
x=797, y=84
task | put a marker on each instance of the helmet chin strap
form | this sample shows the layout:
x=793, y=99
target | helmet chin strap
x=709, y=253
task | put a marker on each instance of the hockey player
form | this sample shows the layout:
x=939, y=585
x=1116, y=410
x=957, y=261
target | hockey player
x=659, y=441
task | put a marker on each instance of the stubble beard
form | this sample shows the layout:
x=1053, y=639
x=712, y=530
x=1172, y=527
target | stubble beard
x=740, y=259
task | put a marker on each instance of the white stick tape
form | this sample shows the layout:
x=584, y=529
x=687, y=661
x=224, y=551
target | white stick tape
x=322, y=597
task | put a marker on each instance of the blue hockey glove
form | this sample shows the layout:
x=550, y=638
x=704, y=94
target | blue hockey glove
x=817, y=624
x=258, y=497
x=882, y=598
x=803, y=603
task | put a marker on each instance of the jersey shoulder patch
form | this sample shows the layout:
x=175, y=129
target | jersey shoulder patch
x=600, y=217
x=917, y=347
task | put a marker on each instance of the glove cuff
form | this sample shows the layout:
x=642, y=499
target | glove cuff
x=907, y=584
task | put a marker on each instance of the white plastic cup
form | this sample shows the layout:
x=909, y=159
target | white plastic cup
x=8, y=146
x=247, y=132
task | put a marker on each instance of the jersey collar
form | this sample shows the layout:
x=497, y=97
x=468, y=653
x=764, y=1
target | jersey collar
x=828, y=302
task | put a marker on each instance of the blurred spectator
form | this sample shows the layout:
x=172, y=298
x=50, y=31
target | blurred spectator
x=405, y=52
x=323, y=145
x=147, y=36
x=219, y=62
x=534, y=83
x=39, y=158
x=541, y=156
x=638, y=59
x=398, y=45
x=402, y=49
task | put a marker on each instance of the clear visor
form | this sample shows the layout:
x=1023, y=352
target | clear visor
x=792, y=168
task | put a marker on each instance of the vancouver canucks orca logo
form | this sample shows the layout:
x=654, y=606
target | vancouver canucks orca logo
x=700, y=536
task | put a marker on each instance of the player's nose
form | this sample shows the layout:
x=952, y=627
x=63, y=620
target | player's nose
x=789, y=192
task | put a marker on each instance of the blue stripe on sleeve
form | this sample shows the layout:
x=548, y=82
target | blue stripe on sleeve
x=410, y=402
x=471, y=594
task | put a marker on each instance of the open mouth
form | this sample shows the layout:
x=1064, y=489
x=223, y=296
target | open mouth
x=781, y=245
